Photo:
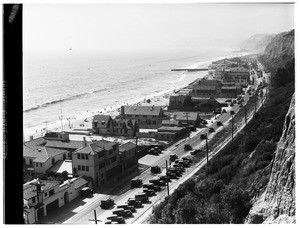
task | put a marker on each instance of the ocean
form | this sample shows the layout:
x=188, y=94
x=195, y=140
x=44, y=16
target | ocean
x=80, y=84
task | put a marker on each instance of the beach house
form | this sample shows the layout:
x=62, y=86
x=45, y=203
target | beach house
x=103, y=125
x=239, y=76
x=147, y=116
x=207, y=88
x=40, y=154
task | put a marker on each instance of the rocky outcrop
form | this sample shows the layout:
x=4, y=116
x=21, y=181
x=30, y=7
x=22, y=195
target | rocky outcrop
x=277, y=203
x=257, y=42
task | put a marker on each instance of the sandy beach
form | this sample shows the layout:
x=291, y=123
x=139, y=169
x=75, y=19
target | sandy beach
x=85, y=122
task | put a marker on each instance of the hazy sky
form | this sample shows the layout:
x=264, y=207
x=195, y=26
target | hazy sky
x=100, y=26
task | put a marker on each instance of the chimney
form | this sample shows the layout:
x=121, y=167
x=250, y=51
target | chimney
x=31, y=137
x=122, y=110
x=84, y=144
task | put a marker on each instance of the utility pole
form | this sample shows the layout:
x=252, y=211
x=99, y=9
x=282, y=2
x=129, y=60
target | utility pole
x=187, y=122
x=232, y=129
x=136, y=153
x=95, y=215
x=167, y=180
x=206, y=154
x=61, y=117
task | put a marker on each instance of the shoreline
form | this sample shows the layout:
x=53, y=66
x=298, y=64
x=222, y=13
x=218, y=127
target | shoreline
x=84, y=121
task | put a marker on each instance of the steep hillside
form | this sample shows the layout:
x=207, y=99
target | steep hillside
x=280, y=50
x=277, y=203
x=257, y=42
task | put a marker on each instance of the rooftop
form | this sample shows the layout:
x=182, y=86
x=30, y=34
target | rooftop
x=61, y=166
x=96, y=147
x=127, y=146
x=29, y=188
x=142, y=110
x=182, y=116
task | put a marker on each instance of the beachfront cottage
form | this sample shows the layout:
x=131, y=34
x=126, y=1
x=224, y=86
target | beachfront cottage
x=40, y=154
x=193, y=118
x=147, y=116
x=125, y=127
x=238, y=76
x=42, y=197
x=103, y=125
x=207, y=88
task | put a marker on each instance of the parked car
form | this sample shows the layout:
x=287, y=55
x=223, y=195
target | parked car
x=189, y=160
x=155, y=169
x=153, y=151
x=219, y=123
x=127, y=207
x=173, y=157
x=106, y=204
x=232, y=112
x=203, y=136
x=241, y=105
x=116, y=218
x=86, y=191
x=229, y=100
x=135, y=183
x=122, y=212
x=194, y=152
x=149, y=192
x=134, y=202
x=211, y=129
x=187, y=147
x=142, y=197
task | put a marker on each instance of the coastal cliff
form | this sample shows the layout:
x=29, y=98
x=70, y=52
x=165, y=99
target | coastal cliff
x=257, y=42
x=280, y=50
x=277, y=202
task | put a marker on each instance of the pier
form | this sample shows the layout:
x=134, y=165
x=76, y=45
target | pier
x=189, y=70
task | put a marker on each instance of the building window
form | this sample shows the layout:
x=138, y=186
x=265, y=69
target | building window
x=87, y=157
x=41, y=164
x=51, y=192
x=79, y=167
x=87, y=168
x=83, y=168
x=64, y=156
x=30, y=161
x=78, y=156
x=82, y=156
x=33, y=200
x=46, y=194
x=36, y=164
